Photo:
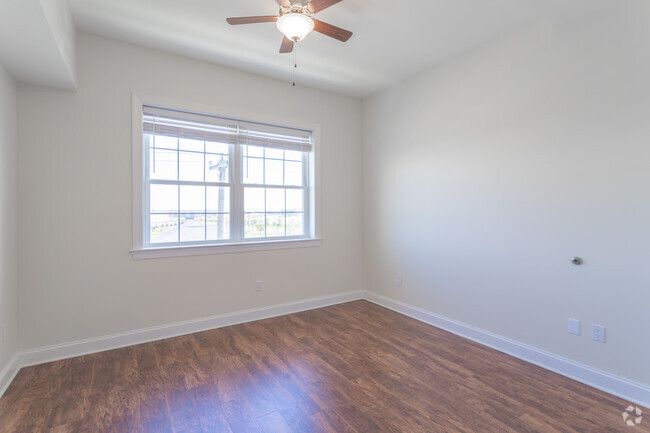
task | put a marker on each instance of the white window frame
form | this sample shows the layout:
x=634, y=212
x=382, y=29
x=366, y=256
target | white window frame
x=140, y=248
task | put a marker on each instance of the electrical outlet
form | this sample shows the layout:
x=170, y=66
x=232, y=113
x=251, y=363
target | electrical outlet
x=258, y=286
x=574, y=326
x=598, y=333
x=399, y=281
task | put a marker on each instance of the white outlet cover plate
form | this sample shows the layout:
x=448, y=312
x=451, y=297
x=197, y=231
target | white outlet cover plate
x=598, y=333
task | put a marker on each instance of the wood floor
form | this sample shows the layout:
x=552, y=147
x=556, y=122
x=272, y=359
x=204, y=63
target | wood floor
x=353, y=367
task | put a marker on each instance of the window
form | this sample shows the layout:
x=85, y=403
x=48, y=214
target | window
x=209, y=181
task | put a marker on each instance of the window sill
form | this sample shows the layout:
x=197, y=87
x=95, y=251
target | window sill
x=241, y=247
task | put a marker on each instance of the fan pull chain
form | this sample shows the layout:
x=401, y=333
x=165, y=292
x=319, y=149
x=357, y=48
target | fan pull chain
x=295, y=63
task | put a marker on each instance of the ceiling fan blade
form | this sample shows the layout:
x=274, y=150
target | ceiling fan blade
x=332, y=31
x=287, y=45
x=319, y=5
x=251, y=20
x=284, y=2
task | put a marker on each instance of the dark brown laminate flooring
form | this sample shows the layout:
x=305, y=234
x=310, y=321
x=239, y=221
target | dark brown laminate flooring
x=354, y=367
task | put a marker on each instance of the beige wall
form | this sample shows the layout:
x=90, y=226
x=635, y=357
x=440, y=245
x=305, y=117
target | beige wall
x=8, y=217
x=77, y=277
x=484, y=176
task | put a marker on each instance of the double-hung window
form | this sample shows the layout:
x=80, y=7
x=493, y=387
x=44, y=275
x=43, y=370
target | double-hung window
x=210, y=180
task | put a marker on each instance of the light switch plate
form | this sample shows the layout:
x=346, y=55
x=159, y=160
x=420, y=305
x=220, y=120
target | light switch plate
x=574, y=326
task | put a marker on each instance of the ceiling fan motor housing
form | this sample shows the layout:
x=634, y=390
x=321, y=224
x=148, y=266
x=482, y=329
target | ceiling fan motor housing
x=296, y=8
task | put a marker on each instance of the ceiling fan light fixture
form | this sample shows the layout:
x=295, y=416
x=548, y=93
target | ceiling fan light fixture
x=295, y=26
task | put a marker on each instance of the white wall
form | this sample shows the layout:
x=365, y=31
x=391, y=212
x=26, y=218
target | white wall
x=8, y=216
x=37, y=42
x=484, y=176
x=77, y=277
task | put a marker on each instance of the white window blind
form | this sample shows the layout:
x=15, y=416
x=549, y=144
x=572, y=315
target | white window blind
x=159, y=121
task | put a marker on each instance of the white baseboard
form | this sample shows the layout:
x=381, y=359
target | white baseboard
x=618, y=386
x=8, y=374
x=115, y=341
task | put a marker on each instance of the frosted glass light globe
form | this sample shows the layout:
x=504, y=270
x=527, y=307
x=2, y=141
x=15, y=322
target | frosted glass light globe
x=295, y=26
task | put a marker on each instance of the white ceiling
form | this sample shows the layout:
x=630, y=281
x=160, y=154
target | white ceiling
x=392, y=39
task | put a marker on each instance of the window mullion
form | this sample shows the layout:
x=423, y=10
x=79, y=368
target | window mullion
x=188, y=183
x=264, y=184
x=146, y=230
x=205, y=196
x=237, y=194
x=284, y=181
x=306, y=206
x=178, y=176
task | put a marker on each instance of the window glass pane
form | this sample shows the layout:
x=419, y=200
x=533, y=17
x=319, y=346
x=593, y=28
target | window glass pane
x=274, y=224
x=163, y=164
x=253, y=170
x=274, y=200
x=293, y=173
x=292, y=155
x=163, y=142
x=190, y=166
x=254, y=200
x=192, y=227
x=254, y=225
x=218, y=227
x=190, y=145
x=273, y=172
x=212, y=147
x=274, y=153
x=218, y=199
x=217, y=168
x=163, y=199
x=253, y=151
x=192, y=199
x=295, y=200
x=295, y=224
x=163, y=228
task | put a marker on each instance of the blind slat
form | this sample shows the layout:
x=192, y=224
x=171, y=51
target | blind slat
x=154, y=124
x=165, y=122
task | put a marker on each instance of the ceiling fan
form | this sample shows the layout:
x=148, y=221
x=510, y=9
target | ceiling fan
x=296, y=21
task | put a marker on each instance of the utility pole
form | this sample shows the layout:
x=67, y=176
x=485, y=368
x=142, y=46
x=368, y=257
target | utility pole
x=221, y=167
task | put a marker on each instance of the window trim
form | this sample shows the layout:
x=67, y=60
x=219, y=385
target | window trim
x=140, y=251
